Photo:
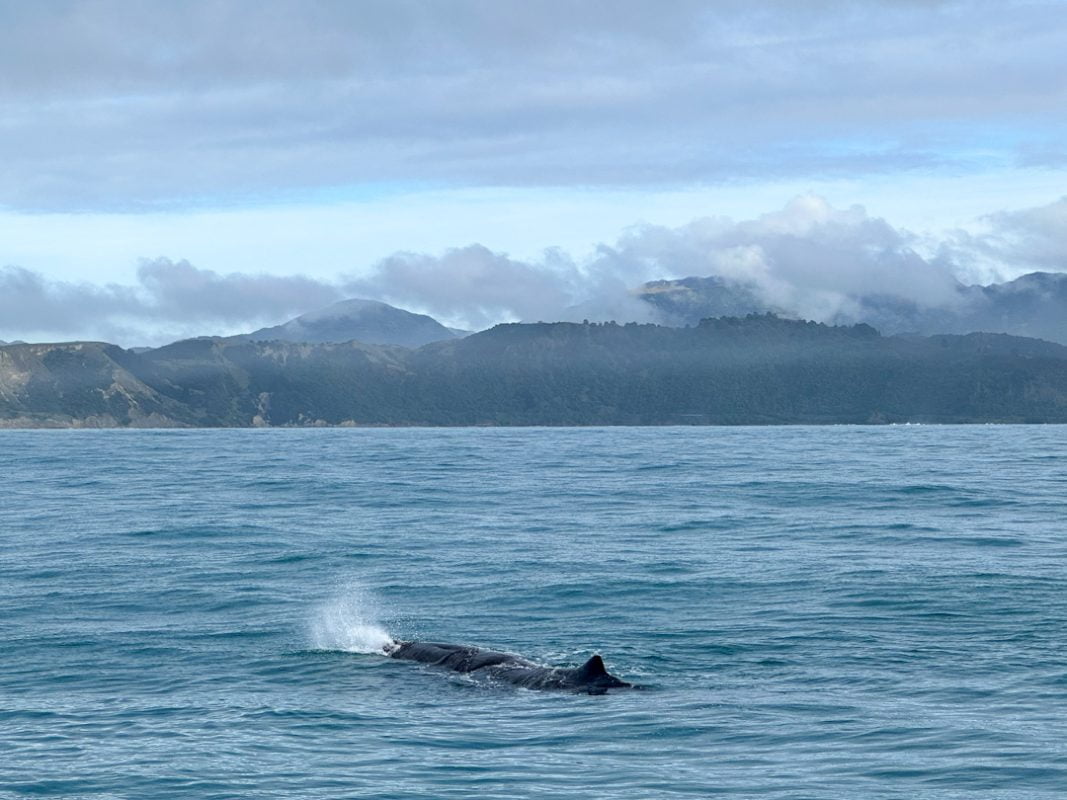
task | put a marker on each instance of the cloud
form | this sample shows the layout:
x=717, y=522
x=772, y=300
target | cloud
x=807, y=258
x=30, y=304
x=1031, y=238
x=111, y=106
x=173, y=299
x=473, y=287
x=470, y=287
x=1008, y=244
x=180, y=292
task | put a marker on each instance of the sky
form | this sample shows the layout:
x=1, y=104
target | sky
x=173, y=169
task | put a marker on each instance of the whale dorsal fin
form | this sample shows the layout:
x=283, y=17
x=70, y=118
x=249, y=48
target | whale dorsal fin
x=593, y=668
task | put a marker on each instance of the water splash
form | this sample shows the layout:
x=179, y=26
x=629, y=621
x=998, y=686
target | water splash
x=349, y=622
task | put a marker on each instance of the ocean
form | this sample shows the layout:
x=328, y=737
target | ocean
x=830, y=612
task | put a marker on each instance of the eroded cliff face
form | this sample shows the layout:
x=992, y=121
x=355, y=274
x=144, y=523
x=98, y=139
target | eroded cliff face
x=78, y=384
x=200, y=383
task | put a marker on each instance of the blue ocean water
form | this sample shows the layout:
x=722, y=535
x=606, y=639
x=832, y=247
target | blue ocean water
x=813, y=612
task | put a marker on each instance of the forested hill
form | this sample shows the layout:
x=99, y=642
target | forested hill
x=756, y=370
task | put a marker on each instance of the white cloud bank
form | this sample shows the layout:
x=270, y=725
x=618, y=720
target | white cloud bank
x=808, y=256
x=173, y=299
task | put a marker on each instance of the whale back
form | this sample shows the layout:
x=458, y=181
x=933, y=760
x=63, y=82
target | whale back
x=592, y=676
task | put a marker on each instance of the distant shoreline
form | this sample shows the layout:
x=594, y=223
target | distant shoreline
x=757, y=370
x=187, y=428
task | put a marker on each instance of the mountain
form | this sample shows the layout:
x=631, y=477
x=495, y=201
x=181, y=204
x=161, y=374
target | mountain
x=1034, y=305
x=366, y=321
x=686, y=301
x=205, y=382
x=80, y=384
x=756, y=370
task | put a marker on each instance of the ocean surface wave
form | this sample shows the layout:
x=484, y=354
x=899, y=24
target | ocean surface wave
x=811, y=612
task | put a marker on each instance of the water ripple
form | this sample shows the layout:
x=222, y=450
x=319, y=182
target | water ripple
x=811, y=612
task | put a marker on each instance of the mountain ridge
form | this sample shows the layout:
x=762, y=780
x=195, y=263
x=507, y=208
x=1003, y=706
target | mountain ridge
x=369, y=321
x=1032, y=305
x=753, y=370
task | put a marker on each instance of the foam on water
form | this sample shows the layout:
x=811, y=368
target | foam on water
x=349, y=622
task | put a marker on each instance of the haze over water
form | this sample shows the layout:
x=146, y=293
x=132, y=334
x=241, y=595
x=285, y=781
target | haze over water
x=812, y=612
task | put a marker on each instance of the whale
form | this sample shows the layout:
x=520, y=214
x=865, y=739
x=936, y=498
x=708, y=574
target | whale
x=592, y=677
